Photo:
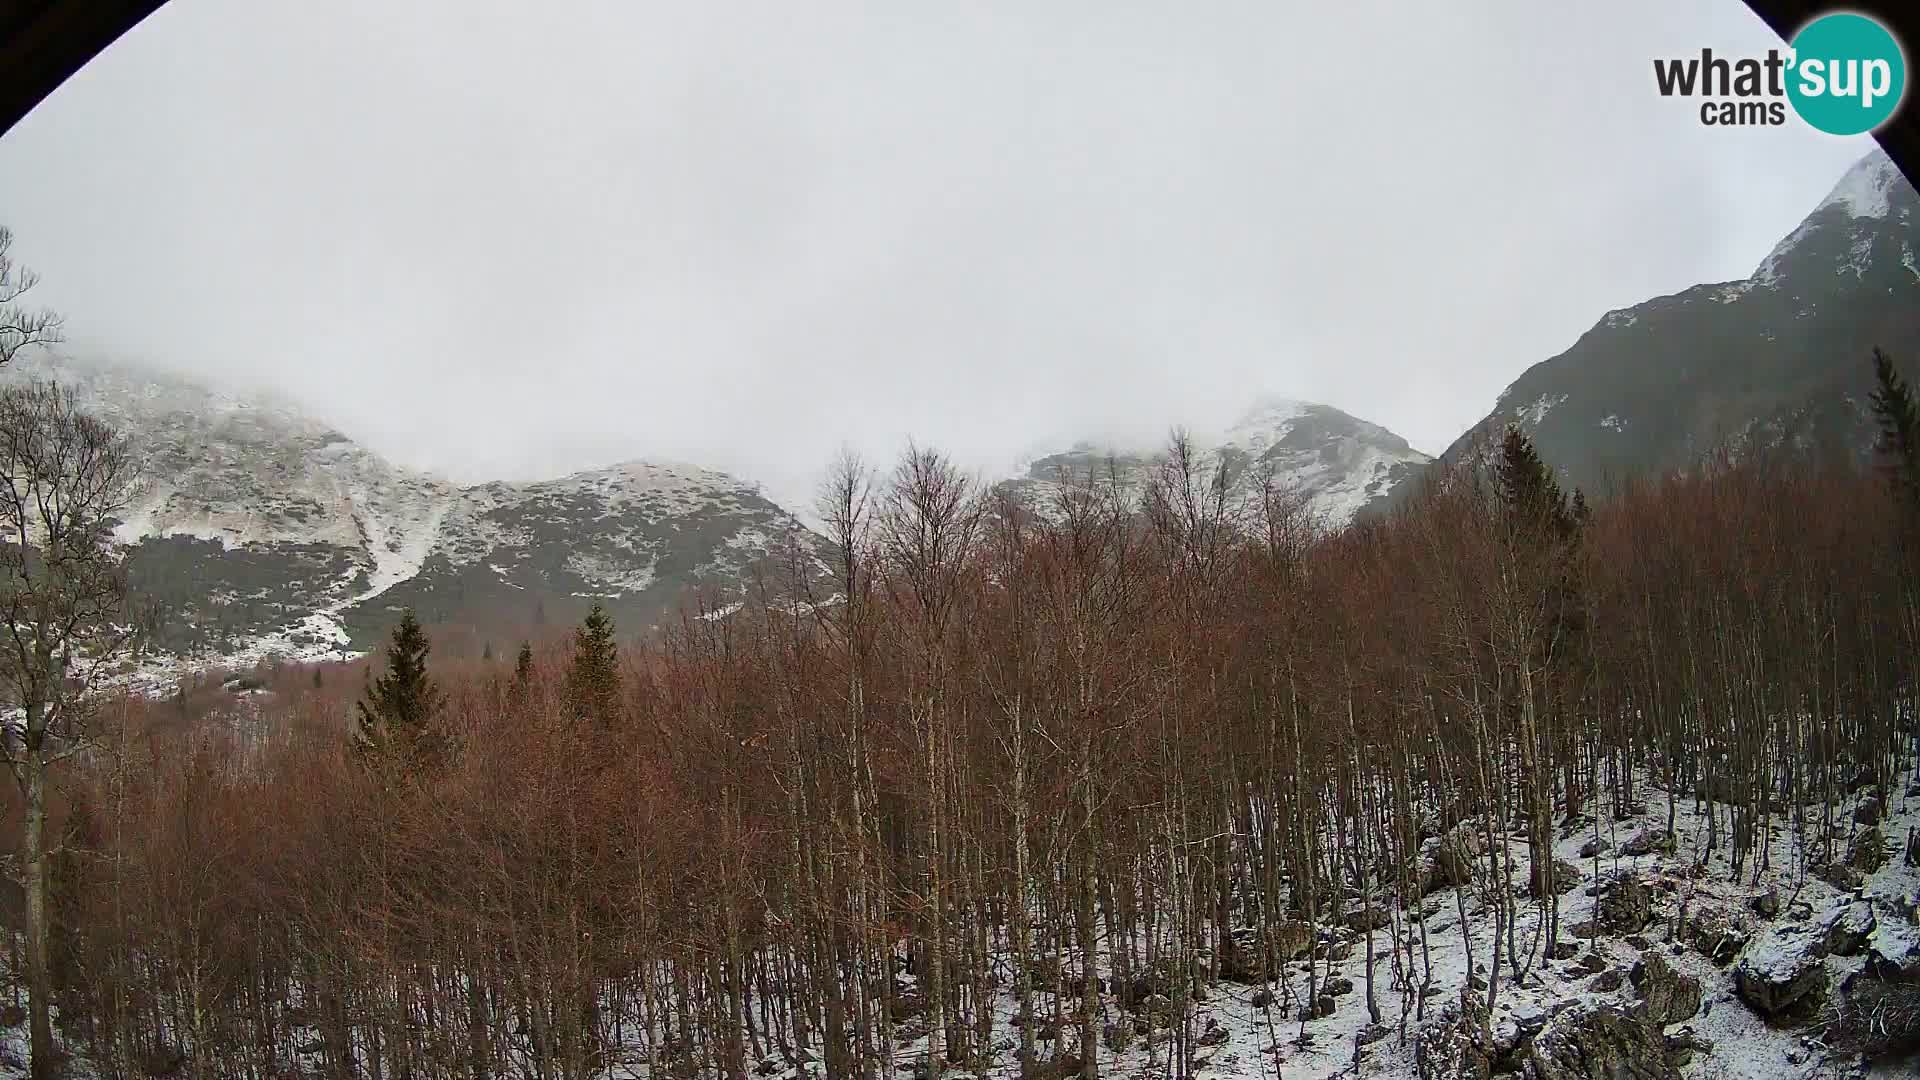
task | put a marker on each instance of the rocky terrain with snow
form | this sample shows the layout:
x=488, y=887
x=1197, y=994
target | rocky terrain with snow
x=1669, y=963
x=1780, y=356
x=259, y=530
x=1340, y=464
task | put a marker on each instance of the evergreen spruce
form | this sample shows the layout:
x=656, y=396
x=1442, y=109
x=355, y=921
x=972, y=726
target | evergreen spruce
x=1532, y=498
x=1899, y=444
x=593, y=680
x=398, y=710
x=1543, y=521
x=522, y=682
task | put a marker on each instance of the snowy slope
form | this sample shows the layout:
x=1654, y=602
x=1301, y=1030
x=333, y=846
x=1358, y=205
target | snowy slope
x=263, y=531
x=1340, y=463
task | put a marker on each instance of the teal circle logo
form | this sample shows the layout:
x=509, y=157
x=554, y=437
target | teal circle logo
x=1848, y=74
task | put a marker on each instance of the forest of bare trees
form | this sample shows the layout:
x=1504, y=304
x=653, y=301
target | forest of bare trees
x=1072, y=759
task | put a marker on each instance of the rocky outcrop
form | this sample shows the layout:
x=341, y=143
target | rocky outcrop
x=1447, y=863
x=1718, y=932
x=1867, y=851
x=1246, y=956
x=1848, y=928
x=1453, y=1045
x=1839, y=875
x=1561, y=877
x=1363, y=919
x=1647, y=841
x=1625, y=907
x=1878, y=1016
x=1667, y=996
x=1597, y=1043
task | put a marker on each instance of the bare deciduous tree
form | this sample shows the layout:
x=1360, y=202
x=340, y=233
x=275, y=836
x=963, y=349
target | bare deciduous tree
x=20, y=326
x=63, y=478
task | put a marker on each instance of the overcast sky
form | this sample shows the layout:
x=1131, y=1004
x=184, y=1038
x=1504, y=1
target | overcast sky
x=504, y=240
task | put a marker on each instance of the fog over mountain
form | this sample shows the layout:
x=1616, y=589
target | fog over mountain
x=503, y=247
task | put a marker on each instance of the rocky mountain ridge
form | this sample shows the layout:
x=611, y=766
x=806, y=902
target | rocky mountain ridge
x=1780, y=356
x=262, y=531
x=1338, y=463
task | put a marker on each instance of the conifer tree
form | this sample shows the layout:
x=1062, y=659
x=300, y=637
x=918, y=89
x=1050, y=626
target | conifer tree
x=521, y=684
x=593, y=680
x=1899, y=444
x=1533, y=500
x=398, y=710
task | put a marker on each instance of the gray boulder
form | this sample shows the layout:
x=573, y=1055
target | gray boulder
x=1561, y=877
x=1597, y=1043
x=1626, y=907
x=1448, y=864
x=1667, y=996
x=1647, y=841
x=1718, y=932
x=1782, y=973
x=1867, y=851
x=1453, y=1045
x=1849, y=927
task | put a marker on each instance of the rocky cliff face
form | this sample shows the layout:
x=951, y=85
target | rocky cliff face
x=1781, y=356
x=262, y=530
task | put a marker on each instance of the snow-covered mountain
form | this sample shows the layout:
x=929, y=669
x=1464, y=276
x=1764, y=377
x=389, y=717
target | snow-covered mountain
x=259, y=529
x=1340, y=463
x=1780, y=355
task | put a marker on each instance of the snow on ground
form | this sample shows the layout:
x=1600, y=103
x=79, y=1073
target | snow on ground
x=616, y=577
x=1271, y=1041
x=400, y=545
x=1531, y=415
x=1239, y=1040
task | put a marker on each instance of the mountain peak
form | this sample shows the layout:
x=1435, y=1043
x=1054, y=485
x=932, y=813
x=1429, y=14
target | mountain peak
x=1866, y=194
x=1339, y=462
x=1866, y=190
x=1778, y=357
x=643, y=474
x=1272, y=411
